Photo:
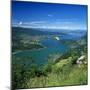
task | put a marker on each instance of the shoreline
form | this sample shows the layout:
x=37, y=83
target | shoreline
x=16, y=52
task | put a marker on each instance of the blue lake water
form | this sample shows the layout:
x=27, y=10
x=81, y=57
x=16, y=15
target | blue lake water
x=52, y=47
x=41, y=56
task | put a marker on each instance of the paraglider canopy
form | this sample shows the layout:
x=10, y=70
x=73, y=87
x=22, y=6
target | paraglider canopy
x=57, y=38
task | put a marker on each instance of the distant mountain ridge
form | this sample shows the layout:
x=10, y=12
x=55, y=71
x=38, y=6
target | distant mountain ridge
x=31, y=31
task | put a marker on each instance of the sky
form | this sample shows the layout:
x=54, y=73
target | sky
x=49, y=16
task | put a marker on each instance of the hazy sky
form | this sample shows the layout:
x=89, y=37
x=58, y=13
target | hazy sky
x=49, y=16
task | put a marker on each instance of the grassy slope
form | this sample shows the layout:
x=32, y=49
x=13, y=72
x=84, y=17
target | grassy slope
x=63, y=73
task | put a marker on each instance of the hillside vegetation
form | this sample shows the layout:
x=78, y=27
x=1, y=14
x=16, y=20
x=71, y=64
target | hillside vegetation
x=61, y=72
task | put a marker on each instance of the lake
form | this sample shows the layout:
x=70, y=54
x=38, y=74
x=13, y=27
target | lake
x=52, y=47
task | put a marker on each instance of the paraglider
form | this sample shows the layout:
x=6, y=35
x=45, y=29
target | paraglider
x=56, y=38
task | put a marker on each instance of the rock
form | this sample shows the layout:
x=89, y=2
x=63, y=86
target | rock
x=80, y=59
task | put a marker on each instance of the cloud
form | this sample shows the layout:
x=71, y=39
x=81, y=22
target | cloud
x=34, y=23
x=37, y=22
x=49, y=15
x=58, y=24
x=20, y=23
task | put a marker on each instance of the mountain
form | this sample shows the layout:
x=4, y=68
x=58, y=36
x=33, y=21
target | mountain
x=32, y=32
x=37, y=31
